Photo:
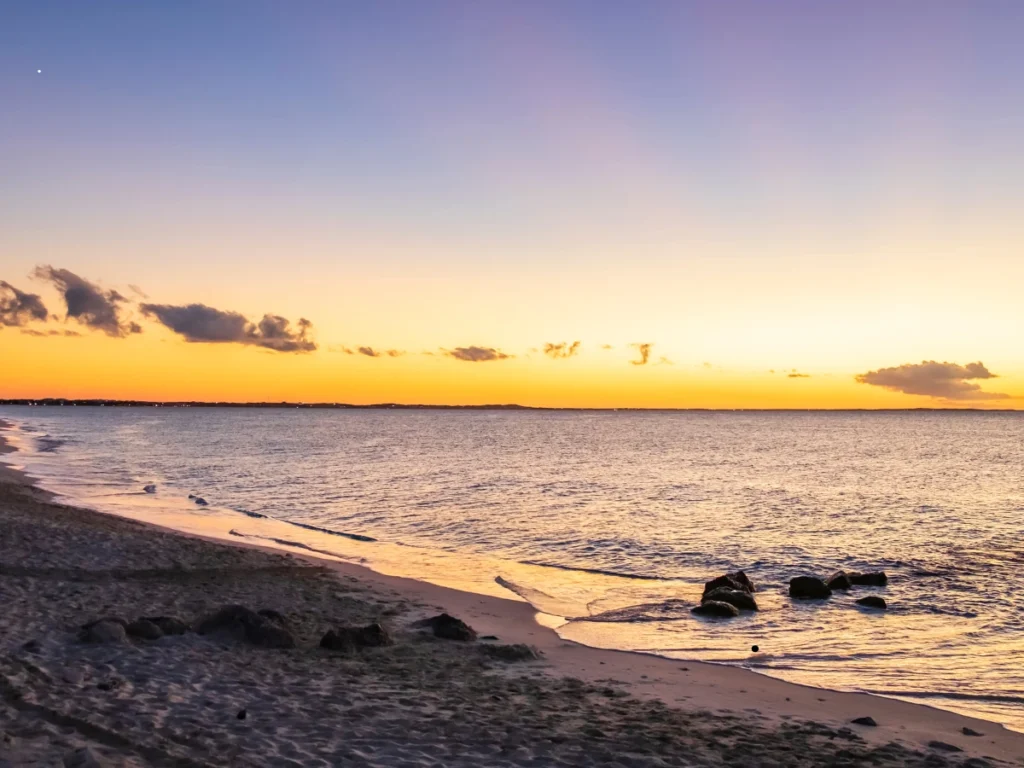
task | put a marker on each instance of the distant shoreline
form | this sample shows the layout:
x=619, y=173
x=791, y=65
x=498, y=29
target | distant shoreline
x=109, y=403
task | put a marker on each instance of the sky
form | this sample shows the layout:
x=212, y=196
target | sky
x=729, y=205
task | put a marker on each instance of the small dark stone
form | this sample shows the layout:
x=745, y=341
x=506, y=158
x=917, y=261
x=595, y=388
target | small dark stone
x=200, y=501
x=449, y=628
x=489, y=637
x=872, y=601
x=944, y=747
x=144, y=630
x=241, y=714
x=755, y=648
x=149, y=488
x=868, y=721
x=808, y=588
x=838, y=580
x=715, y=608
x=873, y=579
x=191, y=496
x=971, y=732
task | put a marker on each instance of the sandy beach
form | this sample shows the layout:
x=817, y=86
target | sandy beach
x=220, y=698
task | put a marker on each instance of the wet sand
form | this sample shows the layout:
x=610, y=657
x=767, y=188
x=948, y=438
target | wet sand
x=421, y=701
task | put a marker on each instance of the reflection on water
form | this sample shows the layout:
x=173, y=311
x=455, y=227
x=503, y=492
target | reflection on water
x=586, y=513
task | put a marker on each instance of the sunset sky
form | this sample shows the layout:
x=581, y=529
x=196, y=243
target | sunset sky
x=795, y=204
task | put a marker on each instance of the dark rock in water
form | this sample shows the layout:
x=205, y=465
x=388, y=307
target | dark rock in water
x=168, y=624
x=350, y=638
x=873, y=579
x=241, y=714
x=191, y=496
x=448, y=628
x=512, y=652
x=754, y=649
x=838, y=580
x=149, y=488
x=144, y=630
x=868, y=721
x=872, y=601
x=241, y=623
x=971, y=732
x=738, y=581
x=944, y=747
x=716, y=608
x=741, y=599
x=104, y=631
x=808, y=588
x=200, y=501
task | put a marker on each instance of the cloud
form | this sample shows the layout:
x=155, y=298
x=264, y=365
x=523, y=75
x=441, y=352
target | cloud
x=562, y=351
x=476, y=354
x=202, y=324
x=31, y=332
x=664, y=361
x=645, y=353
x=371, y=352
x=18, y=308
x=946, y=381
x=607, y=346
x=795, y=375
x=89, y=304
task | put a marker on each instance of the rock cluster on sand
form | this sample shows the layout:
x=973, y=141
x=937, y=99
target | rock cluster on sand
x=725, y=596
x=350, y=638
x=113, y=629
x=238, y=622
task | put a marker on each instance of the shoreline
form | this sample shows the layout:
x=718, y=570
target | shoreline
x=718, y=693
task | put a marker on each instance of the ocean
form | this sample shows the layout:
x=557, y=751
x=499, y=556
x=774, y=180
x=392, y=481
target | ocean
x=585, y=514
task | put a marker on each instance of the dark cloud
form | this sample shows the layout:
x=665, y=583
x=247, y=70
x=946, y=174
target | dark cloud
x=476, y=354
x=795, y=375
x=18, y=308
x=371, y=352
x=202, y=324
x=947, y=381
x=31, y=332
x=89, y=304
x=645, y=353
x=562, y=351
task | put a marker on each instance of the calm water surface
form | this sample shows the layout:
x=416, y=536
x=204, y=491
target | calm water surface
x=582, y=513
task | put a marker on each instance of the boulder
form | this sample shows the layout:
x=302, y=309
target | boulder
x=350, y=638
x=716, y=608
x=168, y=624
x=449, y=628
x=808, y=588
x=868, y=721
x=104, y=631
x=144, y=629
x=873, y=579
x=200, y=501
x=872, y=601
x=742, y=600
x=149, y=488
x=241, y=623
x=338, y=641
x=838, y=580
x=737, y=581
x=373, y=636
x=511, y=652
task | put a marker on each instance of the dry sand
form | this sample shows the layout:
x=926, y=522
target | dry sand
x=419, y=702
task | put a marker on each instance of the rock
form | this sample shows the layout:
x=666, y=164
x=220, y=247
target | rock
x=808, y=588
x=755, y=648
x=104, y=631
x=241, y=714
x=373, y=636
x=715, y=608
x=338, y=641
x=868, y=721
x=168, y=624
x=271, y=615
x=149, y=488
x=191, y=496
x=449, y=628
x=738, y=581
x=511, y=652
x=200, y=501
x=350, y=638
x=838, y=580
x=144, y=630
x=82, y=758
x=741, y=599
x=971, y=732
x=872, y=601
x=489, y=637
x=241, y=623
x=944, y=747
x=873, y=579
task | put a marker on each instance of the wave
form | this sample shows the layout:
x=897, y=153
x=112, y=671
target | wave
x=542, y=601
x=247, y=513
x=993, y=697
x=597, y=571
x=666, y=610
x=318, y=529
x=288, y=543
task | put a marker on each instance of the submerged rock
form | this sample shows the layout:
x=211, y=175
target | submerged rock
x=808, y=588
x=716, y=608
x=241, y=623
x=104, y=631
x=838, y=580
x=873, y=579
x=738, y=581
x=449, y=628
x=144, y=629
x=873, y=601
x=741, y=599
